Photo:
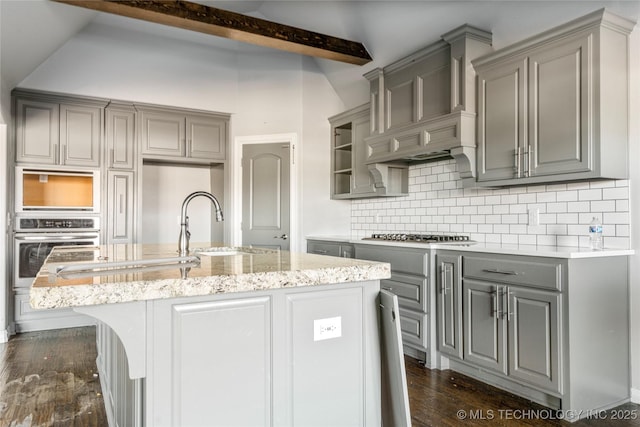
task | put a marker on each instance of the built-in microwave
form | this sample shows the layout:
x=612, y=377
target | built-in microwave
x=44, y=189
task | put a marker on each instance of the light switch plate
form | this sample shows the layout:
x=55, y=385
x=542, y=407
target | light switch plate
x=324, y=329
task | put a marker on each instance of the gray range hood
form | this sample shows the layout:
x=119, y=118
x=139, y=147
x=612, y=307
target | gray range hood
x=423, y=107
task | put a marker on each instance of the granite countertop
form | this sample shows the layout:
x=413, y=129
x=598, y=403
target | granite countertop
x=496, y=248
x=249, y=269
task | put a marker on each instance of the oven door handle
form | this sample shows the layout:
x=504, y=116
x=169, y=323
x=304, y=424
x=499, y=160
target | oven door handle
x=61, y=237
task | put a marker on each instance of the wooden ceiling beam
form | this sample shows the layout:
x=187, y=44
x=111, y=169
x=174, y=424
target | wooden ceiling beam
x=222, y=23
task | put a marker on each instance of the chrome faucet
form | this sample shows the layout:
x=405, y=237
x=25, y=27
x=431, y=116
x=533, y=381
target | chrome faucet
x=183, y=242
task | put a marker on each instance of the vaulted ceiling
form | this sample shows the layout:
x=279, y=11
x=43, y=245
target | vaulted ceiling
x=30, y=31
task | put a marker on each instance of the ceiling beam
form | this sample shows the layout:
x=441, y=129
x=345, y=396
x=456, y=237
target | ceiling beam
x=222, y=23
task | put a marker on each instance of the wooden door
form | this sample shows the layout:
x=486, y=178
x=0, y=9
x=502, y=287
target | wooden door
x=560, y=133
x=485, y=333
x=265, y=195
x=80, y=135
x=449, y=288
x=534, y=337
x=501, y=120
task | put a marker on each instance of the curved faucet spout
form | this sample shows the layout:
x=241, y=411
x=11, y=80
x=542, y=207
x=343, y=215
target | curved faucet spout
x=183, y=242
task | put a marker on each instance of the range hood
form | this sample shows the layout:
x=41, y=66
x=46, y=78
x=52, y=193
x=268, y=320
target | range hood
x=452, y=136
x=423, y=107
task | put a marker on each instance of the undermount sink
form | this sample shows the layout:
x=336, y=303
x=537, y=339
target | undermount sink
x=220, y=252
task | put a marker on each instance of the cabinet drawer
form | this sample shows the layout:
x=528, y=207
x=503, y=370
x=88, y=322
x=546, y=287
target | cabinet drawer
x=537, y=272
x=332, y=249
x=402, y=260
x=414, y=327
x=411, y=290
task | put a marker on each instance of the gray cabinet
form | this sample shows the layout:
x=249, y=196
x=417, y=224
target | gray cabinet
x=449, y=304
x=410, y=282
x=540, y=327
x=55, y=131
x=182, y=135
x=350, y=176
x=120, y=206
x=514, y=331
x=555, y=107
x=511, y=321
x=332, y=248
x=120, y=136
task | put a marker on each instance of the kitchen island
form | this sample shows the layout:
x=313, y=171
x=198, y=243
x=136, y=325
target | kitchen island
x=226, y=336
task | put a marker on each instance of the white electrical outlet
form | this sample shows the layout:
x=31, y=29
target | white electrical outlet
x=377, y=218
x=324, y=329
x=534, y=216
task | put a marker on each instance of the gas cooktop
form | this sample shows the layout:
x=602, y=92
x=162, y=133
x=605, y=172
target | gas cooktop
x=447, y=239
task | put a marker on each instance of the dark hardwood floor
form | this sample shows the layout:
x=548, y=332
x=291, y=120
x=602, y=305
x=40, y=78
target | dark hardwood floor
x=49, y=379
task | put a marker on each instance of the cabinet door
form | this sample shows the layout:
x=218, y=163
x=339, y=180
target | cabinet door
x=206, y=137
x=120, y=135
x=559, y=110
x=501, y=115
x=362, y=180
x=120, y=218
x=485, y=333
x=37, y=131
x=449, y=290
x=534, y=337
x=323, y=248
x=80, y=135
x=162, y=133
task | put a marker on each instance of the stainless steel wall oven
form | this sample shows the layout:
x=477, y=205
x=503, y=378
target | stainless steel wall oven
x=35, y=236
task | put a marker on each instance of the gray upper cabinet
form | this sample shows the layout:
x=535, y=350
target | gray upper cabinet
x=350, y=176
x=120, y=136
x=58, y=131
x=182, y=135
x=555, y=107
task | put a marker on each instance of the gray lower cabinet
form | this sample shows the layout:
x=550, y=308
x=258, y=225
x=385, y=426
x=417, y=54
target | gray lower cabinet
x=410, y=282
x=332, y=248
x=553, y=330
x=247, y=359
x=449, y=304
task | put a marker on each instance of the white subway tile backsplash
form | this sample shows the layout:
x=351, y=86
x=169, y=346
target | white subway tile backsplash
x=437, y=203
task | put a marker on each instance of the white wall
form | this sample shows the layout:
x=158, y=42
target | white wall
x=266, y=92
x=164, y=188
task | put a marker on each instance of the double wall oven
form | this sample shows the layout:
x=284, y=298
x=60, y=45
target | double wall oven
x=53, y=208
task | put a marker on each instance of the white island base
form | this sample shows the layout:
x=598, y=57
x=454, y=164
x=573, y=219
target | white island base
x=303, y=356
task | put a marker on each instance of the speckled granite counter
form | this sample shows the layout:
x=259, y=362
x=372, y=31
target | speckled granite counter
x=496, y=248
x=234, y=340
x=251, y=269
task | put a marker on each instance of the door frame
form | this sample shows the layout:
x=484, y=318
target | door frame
x=294, y=178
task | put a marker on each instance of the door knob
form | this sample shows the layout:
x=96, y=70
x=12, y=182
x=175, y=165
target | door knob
x=283, y=237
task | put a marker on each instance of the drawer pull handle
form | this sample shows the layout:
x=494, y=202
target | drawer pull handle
x=320, y=251
x=387, y=288
x=496, y=271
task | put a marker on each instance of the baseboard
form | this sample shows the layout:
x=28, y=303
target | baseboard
x=4, y=335
x=635, y=395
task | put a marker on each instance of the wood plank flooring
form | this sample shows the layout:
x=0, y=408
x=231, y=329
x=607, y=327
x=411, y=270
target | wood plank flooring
x=49, y=378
